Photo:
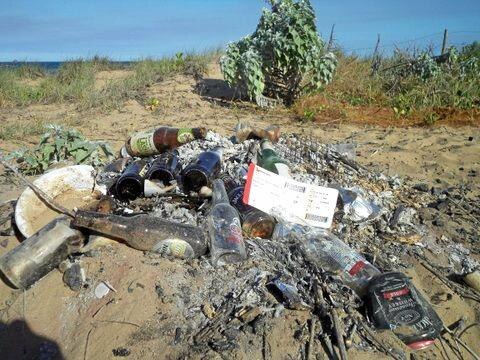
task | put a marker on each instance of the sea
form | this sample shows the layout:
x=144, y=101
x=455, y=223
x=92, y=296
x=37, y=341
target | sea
x=50, y=66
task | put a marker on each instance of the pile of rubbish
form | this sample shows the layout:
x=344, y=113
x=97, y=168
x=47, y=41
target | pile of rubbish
x=301, y=224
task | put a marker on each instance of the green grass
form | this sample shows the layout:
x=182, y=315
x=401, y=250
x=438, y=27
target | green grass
x=16, y=131
x=74, y=82
x=402, y=89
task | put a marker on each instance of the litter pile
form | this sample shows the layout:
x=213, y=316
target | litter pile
x=286, y=222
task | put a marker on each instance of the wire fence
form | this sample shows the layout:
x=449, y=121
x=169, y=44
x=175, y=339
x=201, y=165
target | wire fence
x=455, y=38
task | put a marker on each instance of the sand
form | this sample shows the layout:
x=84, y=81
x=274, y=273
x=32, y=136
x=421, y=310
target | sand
x=143, y=319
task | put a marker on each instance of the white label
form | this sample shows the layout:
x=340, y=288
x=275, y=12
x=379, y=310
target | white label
x=296, y=202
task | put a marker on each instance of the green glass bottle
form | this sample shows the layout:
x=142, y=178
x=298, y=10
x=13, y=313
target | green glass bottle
x=271, y=161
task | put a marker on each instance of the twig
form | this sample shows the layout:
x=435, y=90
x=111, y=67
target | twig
x=86, y=343
x=467, y=293
x=311, y=340
x=43, y=196
x=118, y=322
x=373, y=338
x=338, y=334
x=465, y=346
x=468, y=327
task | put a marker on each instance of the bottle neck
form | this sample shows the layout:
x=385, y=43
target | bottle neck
x=199, y=133
x=219, y=193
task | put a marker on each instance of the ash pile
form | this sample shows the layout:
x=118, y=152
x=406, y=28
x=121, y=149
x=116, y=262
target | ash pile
x=272, y=223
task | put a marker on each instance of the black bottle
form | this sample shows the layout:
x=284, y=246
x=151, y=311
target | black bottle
x=202, y=171
x=130, y=184
x=165, y=168
x=397, y=305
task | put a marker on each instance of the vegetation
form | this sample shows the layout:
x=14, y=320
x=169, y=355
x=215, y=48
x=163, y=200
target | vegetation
x=421, y=85
x=283, y=58
x=59, y=144
x=74, y=82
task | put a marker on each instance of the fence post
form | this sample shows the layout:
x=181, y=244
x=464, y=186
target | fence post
x=376, y=57
x=330, y=40
x=444, y=42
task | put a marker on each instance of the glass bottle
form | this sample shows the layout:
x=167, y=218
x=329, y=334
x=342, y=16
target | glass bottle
x=161, y=139
x=201, y=171
x=396, y=304
x=226, y=241
x=328, y=252
x=246, y=131
x=130, y=184
x=165, y=168
x=147, y=233
x=271, y=161
x=255, y=223
x=42, y=252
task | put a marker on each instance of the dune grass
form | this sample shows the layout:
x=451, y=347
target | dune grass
x=399, y=87
x=74, y=82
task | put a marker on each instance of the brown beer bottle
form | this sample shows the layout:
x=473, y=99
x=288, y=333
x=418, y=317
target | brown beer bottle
x=147, y=233
x=255, y=223
x=161, y=139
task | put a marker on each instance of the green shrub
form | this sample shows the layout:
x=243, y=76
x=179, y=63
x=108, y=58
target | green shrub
x=283, y=58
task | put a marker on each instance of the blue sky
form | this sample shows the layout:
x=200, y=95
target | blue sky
x=124, y=30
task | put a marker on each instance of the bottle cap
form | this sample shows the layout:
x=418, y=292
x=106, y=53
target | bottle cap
x=418, y=345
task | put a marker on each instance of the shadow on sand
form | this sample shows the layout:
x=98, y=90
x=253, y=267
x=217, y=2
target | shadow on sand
x=18, y=341
x=217, y=91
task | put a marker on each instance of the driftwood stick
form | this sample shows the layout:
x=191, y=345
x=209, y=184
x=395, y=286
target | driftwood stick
x=42, y=195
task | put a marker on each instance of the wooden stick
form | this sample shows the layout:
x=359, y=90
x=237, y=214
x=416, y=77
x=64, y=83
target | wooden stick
x=338, y=334
x=465, y=346
x=311, y=340
x=42, y=195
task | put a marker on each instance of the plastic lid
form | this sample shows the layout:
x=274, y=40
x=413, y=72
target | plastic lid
x=418, y=345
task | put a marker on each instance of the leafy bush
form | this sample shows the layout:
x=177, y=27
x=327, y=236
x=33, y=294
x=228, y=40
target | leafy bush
x=58, y=144
x=283, y=58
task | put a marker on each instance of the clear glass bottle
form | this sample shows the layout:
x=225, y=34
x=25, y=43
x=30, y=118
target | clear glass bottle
x=226, y=241
x=271, y=161
x=161, y=139
x=255, y=223
x=147, y=233
x=395, y=304
x=201, y=171
x=328, y=252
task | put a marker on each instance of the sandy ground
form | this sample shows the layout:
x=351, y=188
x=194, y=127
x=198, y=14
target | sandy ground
x=143, y=314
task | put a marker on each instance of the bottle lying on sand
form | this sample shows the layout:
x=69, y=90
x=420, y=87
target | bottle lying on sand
x=246, y=131
x=396, y=304
x=162, y=139
x=328, y=252
x=166, y=168
x=42, y=252
x=255, y=223
x=130, y=184
x=147, y=233
x=271, y=161
x=202, y=171
x=226, y=241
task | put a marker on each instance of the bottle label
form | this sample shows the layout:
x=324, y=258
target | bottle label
x=235, y=233
x=142, y=143
x=174, y=247
x=185, y=135
x=297, y=202
x=348, y=260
